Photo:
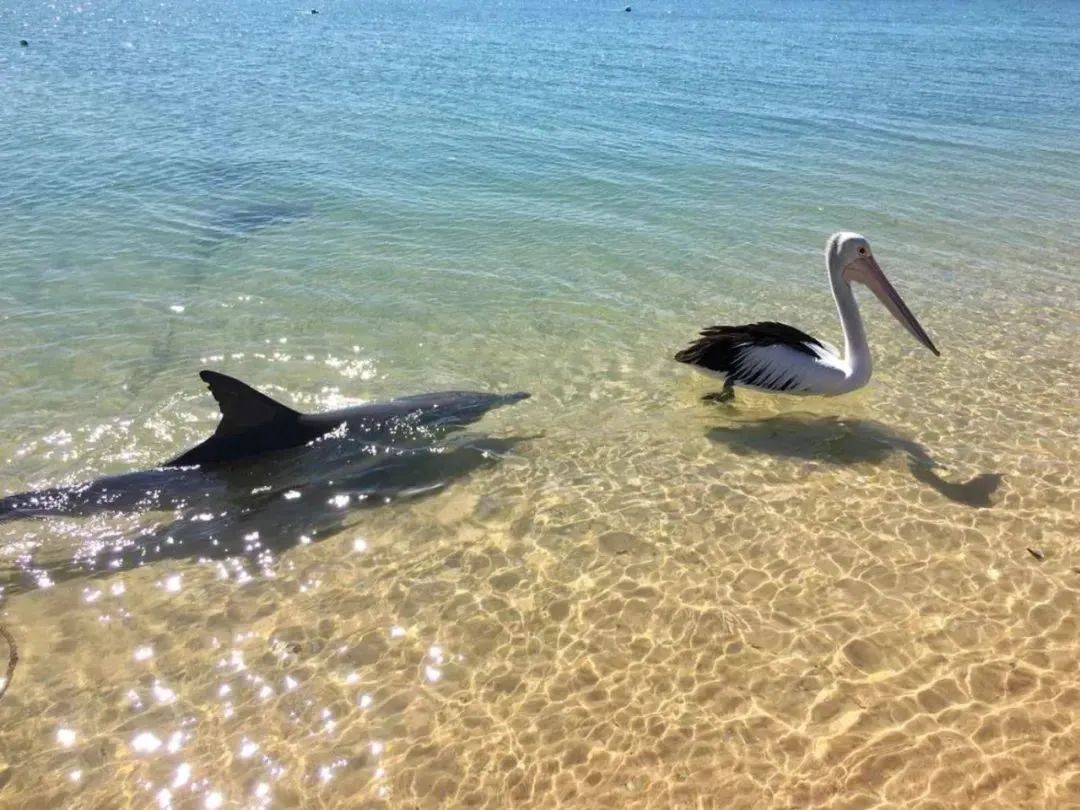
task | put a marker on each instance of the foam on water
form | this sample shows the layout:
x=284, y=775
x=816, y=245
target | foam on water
x=651, y=602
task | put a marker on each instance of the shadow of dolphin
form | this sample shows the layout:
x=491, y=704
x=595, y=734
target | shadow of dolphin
x=833, y=440
x=262, y=508
x=213, y=230
x=238, y=221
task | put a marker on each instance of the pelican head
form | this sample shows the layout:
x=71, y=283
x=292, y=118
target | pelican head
x=849, y=258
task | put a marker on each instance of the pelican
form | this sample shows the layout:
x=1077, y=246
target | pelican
x=778, y=358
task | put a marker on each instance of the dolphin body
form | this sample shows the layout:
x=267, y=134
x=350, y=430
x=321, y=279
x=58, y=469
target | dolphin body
x=252, y=425
x=251, y=512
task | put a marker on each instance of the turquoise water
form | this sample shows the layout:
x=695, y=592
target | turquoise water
x=393, y=197
x=446, y=162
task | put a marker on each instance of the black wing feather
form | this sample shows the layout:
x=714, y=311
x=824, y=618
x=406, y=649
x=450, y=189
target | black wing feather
x=720, y=348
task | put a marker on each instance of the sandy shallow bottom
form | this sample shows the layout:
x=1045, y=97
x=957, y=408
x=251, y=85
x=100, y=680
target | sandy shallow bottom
x=648, y=602
x=651, y=602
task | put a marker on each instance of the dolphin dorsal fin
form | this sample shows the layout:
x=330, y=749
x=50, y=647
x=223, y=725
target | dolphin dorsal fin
x=242, y=407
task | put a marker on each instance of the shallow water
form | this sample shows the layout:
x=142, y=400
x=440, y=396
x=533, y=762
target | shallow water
x=646, y=601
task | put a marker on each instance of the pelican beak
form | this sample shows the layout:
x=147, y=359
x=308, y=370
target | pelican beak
x=867, y=271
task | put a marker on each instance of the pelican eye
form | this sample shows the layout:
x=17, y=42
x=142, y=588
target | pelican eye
x=862, y=251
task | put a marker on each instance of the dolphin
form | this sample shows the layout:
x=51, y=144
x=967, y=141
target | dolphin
x=251, y=512
x=253, y=425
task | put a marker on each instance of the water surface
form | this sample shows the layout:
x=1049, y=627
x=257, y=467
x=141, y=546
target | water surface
x=650, y=602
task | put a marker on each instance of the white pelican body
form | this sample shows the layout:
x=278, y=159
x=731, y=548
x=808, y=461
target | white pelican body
x=778, y=358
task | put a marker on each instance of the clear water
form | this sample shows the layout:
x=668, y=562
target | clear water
x=648, y=602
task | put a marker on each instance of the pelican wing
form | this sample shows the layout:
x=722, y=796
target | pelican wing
x=828, y=351
x=769, y=355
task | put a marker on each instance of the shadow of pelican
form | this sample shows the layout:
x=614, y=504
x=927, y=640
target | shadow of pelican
x=833, y=440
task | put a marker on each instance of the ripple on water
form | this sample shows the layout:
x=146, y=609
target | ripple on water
x=651, y=603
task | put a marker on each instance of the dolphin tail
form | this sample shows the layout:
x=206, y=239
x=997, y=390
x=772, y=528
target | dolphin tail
x=35, y=504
